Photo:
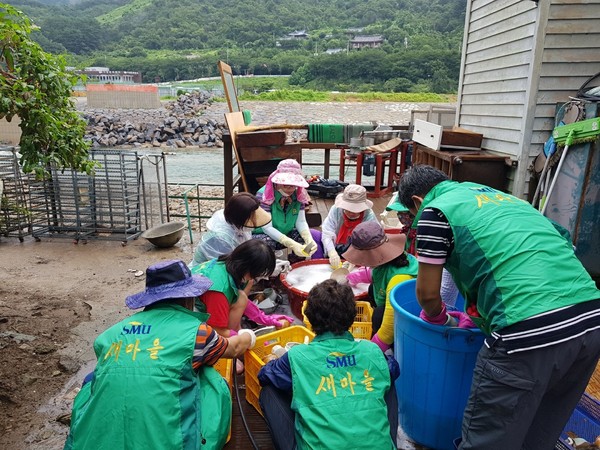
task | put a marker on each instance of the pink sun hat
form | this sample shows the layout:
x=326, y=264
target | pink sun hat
x=289, y=172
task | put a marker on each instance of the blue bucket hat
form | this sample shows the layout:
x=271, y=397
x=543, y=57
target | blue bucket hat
x=168, y=279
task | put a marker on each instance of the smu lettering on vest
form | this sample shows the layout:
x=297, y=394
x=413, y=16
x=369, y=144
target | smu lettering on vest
x=144, y=367
x=340, y=360
x=356, y=375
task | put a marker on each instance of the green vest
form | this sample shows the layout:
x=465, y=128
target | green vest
x=282, y=221
x=510, y=276
x=338, y=394
x=384, y=273
x=216, y=271
x=145, y=393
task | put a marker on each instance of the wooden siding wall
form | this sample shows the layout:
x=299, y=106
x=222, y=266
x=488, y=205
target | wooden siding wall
x=497, y=54
x=518, y=62
x=571, y=55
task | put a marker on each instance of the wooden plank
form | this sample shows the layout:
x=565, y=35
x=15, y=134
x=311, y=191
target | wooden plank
x=497, y=20
x=573, y=55
x=504, y=41
x=500, y=110
x=235, y=123
x=498, y=88
x=249, y=154
x=570, y=11
x=589, y=26
x=261, y=138
x=481, y=60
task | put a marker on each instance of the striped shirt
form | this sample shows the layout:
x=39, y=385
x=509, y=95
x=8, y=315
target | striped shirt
x=209, y=347
x=435, y=242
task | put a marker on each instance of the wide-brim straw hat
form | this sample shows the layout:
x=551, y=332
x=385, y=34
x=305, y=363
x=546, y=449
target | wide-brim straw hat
x=353, y=199
x=166, y=280
x=259, y=218
x=289, y=173
x=371, y=246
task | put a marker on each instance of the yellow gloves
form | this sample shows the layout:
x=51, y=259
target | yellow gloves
x=310, y=246
x=294, y=246
x=334, y=259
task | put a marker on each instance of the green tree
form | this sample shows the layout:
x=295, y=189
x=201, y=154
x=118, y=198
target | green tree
x=35, y=86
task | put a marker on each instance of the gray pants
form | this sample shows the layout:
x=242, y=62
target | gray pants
x=524, y=400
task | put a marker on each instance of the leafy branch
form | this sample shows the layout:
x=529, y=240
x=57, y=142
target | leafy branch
x=35, y=86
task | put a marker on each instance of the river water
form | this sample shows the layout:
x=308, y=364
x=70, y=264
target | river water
x=205, y=165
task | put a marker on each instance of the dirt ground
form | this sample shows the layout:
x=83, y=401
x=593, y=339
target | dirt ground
x=55, y=298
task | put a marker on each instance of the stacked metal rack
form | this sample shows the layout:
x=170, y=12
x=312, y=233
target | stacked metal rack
x=75, y=205
x=14, y=214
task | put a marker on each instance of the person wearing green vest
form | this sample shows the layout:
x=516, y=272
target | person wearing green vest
x=336, y=392
x=154, y=385
x=284, y=196
x=232, y=276
x=525, y=288
x=384, y=263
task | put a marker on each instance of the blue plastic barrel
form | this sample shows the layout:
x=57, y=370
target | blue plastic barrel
x=436, y=370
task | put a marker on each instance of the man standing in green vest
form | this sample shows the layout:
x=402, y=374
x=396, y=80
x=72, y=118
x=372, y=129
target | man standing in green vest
x=154, y=385
x=525, y=288
x=336, y=392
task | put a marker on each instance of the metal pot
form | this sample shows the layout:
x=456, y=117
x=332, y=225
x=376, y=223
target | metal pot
x=361, y=141
x=382, y=136
x=165, y=235
x=266, y=300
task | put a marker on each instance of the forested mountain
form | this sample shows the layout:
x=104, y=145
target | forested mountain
x=184, y=38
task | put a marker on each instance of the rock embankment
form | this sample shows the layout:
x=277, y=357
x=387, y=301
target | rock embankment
x=178, y=124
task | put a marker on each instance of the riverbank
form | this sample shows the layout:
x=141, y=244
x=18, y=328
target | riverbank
x=155, y=127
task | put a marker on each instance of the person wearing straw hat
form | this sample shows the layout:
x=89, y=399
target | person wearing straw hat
x=153, y=385
x=336, y=392
x=525, y=288
x=350, y=209
x=383, y=262
x=284, y=196
x=229, y=227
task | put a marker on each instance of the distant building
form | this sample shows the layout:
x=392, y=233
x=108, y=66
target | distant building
x=366, y=41
x=333, y=51
x=354, y=31
x=302, y=34
x=105, y=75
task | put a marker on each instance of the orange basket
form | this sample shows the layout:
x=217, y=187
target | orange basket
x=362, y=328
x=254, y=359
x=225, y=368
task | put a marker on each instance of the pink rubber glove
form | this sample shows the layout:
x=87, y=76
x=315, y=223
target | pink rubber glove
x=382, y=345
x=464, y=321
x=255, y=314
x=360, y=275
x=440, y=319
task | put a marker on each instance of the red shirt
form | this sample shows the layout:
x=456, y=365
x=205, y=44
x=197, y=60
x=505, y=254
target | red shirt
x=218, y=308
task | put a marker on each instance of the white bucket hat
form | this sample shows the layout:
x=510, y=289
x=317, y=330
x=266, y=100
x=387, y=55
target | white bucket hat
x=353, y=199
